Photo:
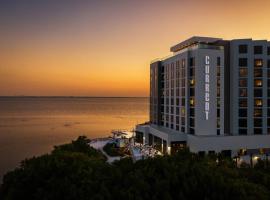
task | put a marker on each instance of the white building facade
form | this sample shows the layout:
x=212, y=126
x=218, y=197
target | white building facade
x=211, y=96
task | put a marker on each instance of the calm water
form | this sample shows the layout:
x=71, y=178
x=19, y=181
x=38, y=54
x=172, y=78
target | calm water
x=32, y=126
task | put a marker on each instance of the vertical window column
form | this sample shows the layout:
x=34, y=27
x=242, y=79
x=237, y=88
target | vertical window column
x=191, y=95
x=218, y=95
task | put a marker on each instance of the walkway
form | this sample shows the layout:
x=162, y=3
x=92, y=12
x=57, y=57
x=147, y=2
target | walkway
x=99, y=144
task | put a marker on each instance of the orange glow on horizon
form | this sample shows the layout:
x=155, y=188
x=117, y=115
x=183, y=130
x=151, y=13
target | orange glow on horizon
x=105, y=50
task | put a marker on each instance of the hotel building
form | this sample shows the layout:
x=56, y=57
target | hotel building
x=212, y=96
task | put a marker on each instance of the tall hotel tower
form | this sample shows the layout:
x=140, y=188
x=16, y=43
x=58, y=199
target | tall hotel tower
x=211, y=95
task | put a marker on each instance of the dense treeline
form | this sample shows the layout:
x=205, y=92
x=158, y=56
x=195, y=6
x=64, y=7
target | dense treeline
x=77, y=171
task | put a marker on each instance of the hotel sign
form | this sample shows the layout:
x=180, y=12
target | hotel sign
x=206, y=87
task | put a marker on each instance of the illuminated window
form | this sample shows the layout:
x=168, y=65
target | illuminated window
x=258, y=102
x=258, y=63
x=243, y=72
x=183, y=111
x=258, y=83
x=192, y=102
x=243, y=82
x=243, y=92
x=192, y=82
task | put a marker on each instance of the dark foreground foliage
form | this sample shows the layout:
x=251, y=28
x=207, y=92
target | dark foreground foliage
x=76, y=171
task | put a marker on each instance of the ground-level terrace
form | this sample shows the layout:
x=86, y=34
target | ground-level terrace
x=244, y=148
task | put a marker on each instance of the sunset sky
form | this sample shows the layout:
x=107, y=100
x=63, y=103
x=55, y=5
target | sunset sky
x=103, y=48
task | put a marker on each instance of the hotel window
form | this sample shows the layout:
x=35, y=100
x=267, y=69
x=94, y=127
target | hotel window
x=191, y=61
x=191, y=72
x=242, y=122
x=172, y=101
x=268, y=50
x=257, y=131
x=243, y=103
x=218, y=61
x=192, y=102
x=191, y=122
x=242, y=82
x=243, y=72
x=258, y=73
x=218, y=70
x=172, y=110
x=218, y=92
x=182, y=121
x=177, y=101
x=192, y=92
x=258, y=63
x=258, y=49
x=242, y=112
x=257, y=92
x=177, y=120
x=177, y=111
x=182, y=111
x=258, y=83
x=242, y=131
x=183, y=101
x=218, y=82
x=243, y=92
x=218, y=123
x=258, y=102
x=183, y=92
x=172, y=119
x=191, y=82
x=257, y=112
x=243, y=62
x=218, y=102
x=242, y=48
x=218, y=112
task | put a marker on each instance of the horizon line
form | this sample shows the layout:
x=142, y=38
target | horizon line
x=69, y=96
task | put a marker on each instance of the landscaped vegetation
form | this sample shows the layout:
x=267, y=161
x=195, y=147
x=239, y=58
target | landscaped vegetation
x=77, y=171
